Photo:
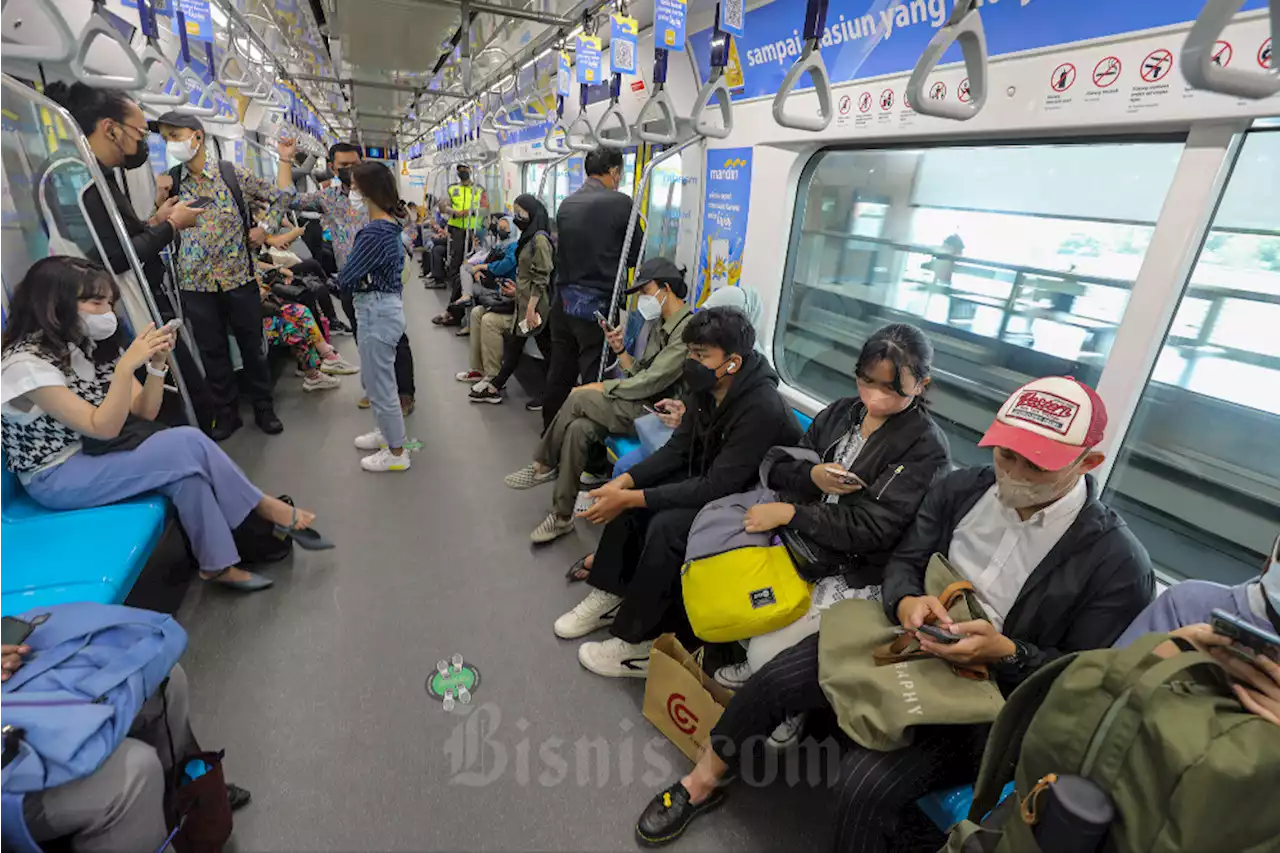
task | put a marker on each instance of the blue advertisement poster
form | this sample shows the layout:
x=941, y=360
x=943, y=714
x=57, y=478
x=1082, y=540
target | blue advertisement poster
x=868, y=38
x=589, y=60
x=199, y=21
x=622, y=44
x=669, y=21
x=564, y=75
x=724, y=219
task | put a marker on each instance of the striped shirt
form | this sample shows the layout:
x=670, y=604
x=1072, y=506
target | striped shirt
x=376, y=259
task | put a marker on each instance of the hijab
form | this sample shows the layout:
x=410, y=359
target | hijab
x=539, y=220
x=745, y=300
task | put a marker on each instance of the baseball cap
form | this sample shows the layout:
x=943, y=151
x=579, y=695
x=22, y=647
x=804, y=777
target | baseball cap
x=663, y=271
x=1050, y=421
x=173, y=118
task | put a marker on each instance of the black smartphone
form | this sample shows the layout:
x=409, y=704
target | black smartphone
x=203, y=202
x=933, y=632
x=847, y=477
x=1251, y=636
x=13, y=631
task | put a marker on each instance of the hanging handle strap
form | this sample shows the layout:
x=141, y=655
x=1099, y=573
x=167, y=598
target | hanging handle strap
x=1202, y=69
x=660, y=103
x=63, y=47
x=152, y=56
x=554, y=141
x=620, y=135
x=809, y=62
x=218, y=116
x=96, y=26
x=965, y=27
x=581, y=125
x=716, y=87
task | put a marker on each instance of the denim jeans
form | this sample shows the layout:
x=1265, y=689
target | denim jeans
x=381, y=319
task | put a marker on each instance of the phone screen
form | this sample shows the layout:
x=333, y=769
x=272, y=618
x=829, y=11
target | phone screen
x=203, y=201
x=14, y=631
x=1250, y=636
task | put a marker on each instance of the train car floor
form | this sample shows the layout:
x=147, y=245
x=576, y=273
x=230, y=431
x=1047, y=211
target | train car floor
x=317, y=687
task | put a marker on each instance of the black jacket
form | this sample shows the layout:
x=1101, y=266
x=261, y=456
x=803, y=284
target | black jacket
x=1083, y=595
x=147, y=240
x=899, y=462
x=591, y=226
x=717, y=450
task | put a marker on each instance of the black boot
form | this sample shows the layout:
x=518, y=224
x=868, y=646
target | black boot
x=669, y=814
x=225, y=423
x=265, y=417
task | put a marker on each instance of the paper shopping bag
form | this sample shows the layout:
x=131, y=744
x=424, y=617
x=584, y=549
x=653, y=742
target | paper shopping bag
x=679, y=698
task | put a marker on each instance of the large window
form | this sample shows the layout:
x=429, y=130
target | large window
x=567, y=176
x=1198, y=476
x=663, y=218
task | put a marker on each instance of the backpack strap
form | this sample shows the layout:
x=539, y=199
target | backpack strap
x=1004, y=743
x=232, y=180
x=175, y=175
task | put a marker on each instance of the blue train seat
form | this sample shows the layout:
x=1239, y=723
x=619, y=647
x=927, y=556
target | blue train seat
x=52, y=557
x=619, y=446
x=949, y=807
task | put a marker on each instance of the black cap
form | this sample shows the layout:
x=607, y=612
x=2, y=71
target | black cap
x=662, y=271
x=173, y=118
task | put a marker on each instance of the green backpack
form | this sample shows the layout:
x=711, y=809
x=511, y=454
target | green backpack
x=1187, y=768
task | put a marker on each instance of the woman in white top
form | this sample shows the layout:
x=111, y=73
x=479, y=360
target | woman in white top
x=79, y=428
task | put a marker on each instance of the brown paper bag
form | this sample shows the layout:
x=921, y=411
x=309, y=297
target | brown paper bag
x=679, y=698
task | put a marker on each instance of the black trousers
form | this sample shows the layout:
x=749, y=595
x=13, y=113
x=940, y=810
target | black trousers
x=513, y=353
x=457, y=252
x=404, y=355
x=639, y=558
x=576, y=345
x=872, y=788
x=438, y=260
x=211, y=316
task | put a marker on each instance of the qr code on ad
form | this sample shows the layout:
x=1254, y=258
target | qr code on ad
x=731, y=12
x=624, y=55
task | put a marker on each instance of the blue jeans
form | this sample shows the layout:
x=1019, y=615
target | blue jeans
x=381, y=320
x=211, y=495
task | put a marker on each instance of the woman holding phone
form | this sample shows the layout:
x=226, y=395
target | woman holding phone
x=78, y=428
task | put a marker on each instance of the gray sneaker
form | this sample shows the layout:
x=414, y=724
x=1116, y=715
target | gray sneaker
x=551, y=529
x=528, y=477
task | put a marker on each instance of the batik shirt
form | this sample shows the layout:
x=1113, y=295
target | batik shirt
x=343, y=219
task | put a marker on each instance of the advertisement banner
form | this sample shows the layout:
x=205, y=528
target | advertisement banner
x=669, y=23
x=622, y=44
x=724, y=219
x=199, y=21
x=589, y=60
x=869, y=38
x=564, y=75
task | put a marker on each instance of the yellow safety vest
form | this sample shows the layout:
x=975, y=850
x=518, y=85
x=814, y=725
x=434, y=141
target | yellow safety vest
x=463, y=197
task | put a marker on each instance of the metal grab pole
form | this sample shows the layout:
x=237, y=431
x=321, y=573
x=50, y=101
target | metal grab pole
x=546, y=173
x=631, y=233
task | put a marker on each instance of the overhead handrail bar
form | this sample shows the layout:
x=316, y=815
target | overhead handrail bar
x=204, y=107
x=512, y=121
x=152, y=56
x=660, y=101
x=98, y=25
x=608, y=137
x=233, y=55
x=621, y=276
x=551, y=142
x=717, y=86
x=1203, y=71
x=809, y=62
x=587, y=132
x=63, y=48
x=964, y=26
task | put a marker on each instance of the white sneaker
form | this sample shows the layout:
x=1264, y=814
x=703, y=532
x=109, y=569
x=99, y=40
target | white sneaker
x=594, y=612
x=788, y=733
x=582, y=503
x=528, y=477
x=320, y=382
x=615, y=658
x=733, y=676
x=371, y=441
x=338, y=366
x=551, y=529
x=385, y=460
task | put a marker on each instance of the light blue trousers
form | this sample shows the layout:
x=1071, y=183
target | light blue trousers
x=380, y=317
x=211, y=495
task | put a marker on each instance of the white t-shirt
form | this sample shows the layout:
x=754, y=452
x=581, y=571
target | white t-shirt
x=24, y=372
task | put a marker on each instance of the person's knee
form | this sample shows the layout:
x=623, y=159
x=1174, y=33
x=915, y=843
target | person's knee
x=138, y=778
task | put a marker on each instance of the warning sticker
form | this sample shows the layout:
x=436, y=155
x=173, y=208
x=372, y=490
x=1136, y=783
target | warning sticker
x=1106, y=72
x=1063, y=77
x=864, y=102
x=938, y=91
x=963, y=92
x=1222, y=53
x=846, y=105
x=886, y=100
x=1264, y=54
x=1156, y=66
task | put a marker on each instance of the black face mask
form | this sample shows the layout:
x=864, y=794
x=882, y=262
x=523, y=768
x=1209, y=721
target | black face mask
x=698, y=377
x=137, y=158
x=344, y=175
x=522, y=222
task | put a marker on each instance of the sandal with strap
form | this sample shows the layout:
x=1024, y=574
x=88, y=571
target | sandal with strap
x=578, y=571
x=308, y=538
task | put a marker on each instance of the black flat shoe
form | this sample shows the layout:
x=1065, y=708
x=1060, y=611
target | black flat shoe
x=267, y=421
x=237, y=796
x=225, y=425
x=669, y=814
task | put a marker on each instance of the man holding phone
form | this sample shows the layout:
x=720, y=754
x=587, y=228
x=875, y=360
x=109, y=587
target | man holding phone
x=598, y=409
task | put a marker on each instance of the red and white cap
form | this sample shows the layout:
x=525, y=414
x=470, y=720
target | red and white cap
x=1050, y=421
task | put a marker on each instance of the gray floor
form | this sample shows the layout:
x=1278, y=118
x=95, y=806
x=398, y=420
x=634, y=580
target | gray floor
x=316, y=687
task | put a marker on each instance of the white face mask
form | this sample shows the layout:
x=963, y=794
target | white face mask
x=650, y=307
x=1271, y=585
x=1020, y=494
x=98, y=327
x=182, y=150
x=356, y=200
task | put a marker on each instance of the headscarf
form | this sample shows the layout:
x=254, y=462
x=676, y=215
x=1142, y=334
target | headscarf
x=745, y=300
x=503, y=242
x=539, y=219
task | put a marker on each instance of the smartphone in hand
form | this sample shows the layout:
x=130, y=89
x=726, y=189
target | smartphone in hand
x=847, y=477
x=933, y=632
x=172, y=326
x=204, y=202
x=1257, y=640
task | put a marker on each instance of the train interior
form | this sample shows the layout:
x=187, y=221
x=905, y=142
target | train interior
x=1090, y=194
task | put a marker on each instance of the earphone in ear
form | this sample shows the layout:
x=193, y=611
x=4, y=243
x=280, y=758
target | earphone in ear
x=732, y=368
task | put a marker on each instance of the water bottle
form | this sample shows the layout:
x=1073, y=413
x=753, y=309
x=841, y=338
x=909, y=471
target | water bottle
x=448, y=700
x=457, y=663
x=464, y=695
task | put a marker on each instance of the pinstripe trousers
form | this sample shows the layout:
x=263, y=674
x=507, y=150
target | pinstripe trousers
x=871, y=788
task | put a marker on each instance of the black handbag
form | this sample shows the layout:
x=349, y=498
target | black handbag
x=492, y=300
x=133, y=433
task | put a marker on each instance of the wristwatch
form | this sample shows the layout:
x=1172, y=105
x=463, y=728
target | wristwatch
x=162, y=372
x=1019, y=656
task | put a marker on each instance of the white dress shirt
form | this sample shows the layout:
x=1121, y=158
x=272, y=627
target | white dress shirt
x=995, y=549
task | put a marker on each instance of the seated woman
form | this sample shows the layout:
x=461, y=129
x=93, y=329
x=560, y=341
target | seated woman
x=68, y=378
x=309, y=275
x=483, y=270
x=292, y=324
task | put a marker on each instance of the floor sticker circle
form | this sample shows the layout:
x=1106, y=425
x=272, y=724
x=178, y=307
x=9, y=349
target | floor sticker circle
x=1106, y=72
x=449, y=681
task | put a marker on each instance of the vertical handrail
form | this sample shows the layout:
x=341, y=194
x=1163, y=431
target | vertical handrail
x=621, y=276
x=1203, y=71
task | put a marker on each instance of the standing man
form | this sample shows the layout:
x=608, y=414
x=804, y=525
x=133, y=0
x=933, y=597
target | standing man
x=344, y=216
x=592, y=226
x=216, y=272
x=465, y=201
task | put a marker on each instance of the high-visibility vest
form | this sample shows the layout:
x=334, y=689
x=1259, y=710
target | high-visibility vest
x=462, y=197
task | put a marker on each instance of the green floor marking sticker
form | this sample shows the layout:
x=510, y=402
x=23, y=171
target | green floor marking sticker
x=413, y=445
x=468, y=677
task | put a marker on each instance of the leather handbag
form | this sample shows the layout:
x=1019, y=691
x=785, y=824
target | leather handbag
x=881, y=684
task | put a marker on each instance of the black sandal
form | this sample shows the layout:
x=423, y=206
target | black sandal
x=578, y=571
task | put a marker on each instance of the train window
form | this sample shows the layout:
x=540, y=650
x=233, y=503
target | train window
x=1198, y=477
x=532, y=176
x=663, y=217
x=1017, y=260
